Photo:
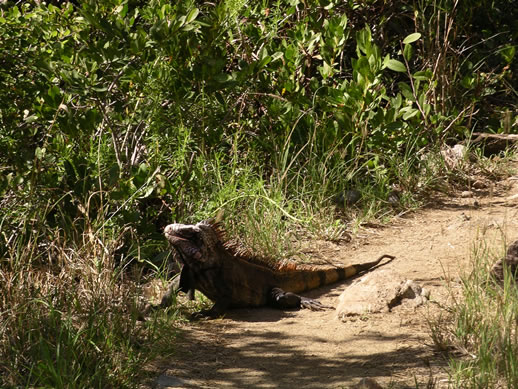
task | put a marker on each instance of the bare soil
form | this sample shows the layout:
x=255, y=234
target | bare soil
x=267, y=348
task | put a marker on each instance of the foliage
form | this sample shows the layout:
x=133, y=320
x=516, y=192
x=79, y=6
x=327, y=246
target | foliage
x=119, y=116
x=148, y=110
x=73, y=323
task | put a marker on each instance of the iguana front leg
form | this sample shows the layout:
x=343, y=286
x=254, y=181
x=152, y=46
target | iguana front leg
x=182, y=283
x=287, y=300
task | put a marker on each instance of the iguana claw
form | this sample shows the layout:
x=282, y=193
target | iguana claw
x=313, y=305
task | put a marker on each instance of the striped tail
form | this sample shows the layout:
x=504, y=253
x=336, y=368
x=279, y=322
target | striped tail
x=300, y=278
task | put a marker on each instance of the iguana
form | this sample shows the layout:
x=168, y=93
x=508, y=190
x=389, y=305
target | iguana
x=510, y=261
x=232, y=278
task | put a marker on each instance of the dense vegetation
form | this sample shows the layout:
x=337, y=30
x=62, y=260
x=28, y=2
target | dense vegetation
x=117, y=117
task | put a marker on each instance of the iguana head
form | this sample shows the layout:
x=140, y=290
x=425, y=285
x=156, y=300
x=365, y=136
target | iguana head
x=195, y=243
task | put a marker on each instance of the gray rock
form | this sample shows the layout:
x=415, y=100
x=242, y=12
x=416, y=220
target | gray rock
x=167, y=381
x=368, y=383
x=379, y=291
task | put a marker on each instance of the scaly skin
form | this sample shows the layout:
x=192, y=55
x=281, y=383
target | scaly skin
x=233, y=280
x=510, y=260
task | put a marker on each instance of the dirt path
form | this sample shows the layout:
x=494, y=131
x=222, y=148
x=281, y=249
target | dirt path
x=266, y=348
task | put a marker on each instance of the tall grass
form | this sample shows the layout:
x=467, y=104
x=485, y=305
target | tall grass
x=69, y=318
x=479, y=330
x=273, y=212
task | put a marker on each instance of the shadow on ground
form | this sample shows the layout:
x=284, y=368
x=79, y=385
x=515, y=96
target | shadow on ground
x=208, y=356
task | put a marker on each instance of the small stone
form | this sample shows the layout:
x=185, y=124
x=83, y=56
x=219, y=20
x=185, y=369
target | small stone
x=167, y=381
x=453, y=156
x=479, y=184
x=368, y=383
x=466, y=194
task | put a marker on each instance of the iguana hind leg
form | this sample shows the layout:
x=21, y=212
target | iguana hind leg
x=287, y=300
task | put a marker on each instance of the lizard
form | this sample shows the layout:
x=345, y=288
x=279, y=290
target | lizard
x=510, y=260
x=232, y=278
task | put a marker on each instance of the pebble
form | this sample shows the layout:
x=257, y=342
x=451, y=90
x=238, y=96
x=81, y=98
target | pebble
x=478, y=184
x=368, y=383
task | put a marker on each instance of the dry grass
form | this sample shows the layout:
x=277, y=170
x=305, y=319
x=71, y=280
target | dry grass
x=71, y=320
x=479, y=330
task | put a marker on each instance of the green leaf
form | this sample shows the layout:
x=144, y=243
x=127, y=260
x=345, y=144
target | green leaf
x=192, y=15
x=122, y=10
x=329, y=6
x=363, y=40
x=53, y=91
x=30, y=119
x=147, y=192
x=265, y=61
x=315, y=38
x=189, y=27
x=15, y=12
x=325, y=70
x=410, y=113
x=423, y=75
x=427, y=108
x=40, y=152
x=396, y=102
x=421, y=99
x=508, y=53
x=468, y=81
x=406, y=90
x=395, y=65
x=408, y=51
x=411, y=38
x=223, y=78
x=290, y=53
x=277, y=55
